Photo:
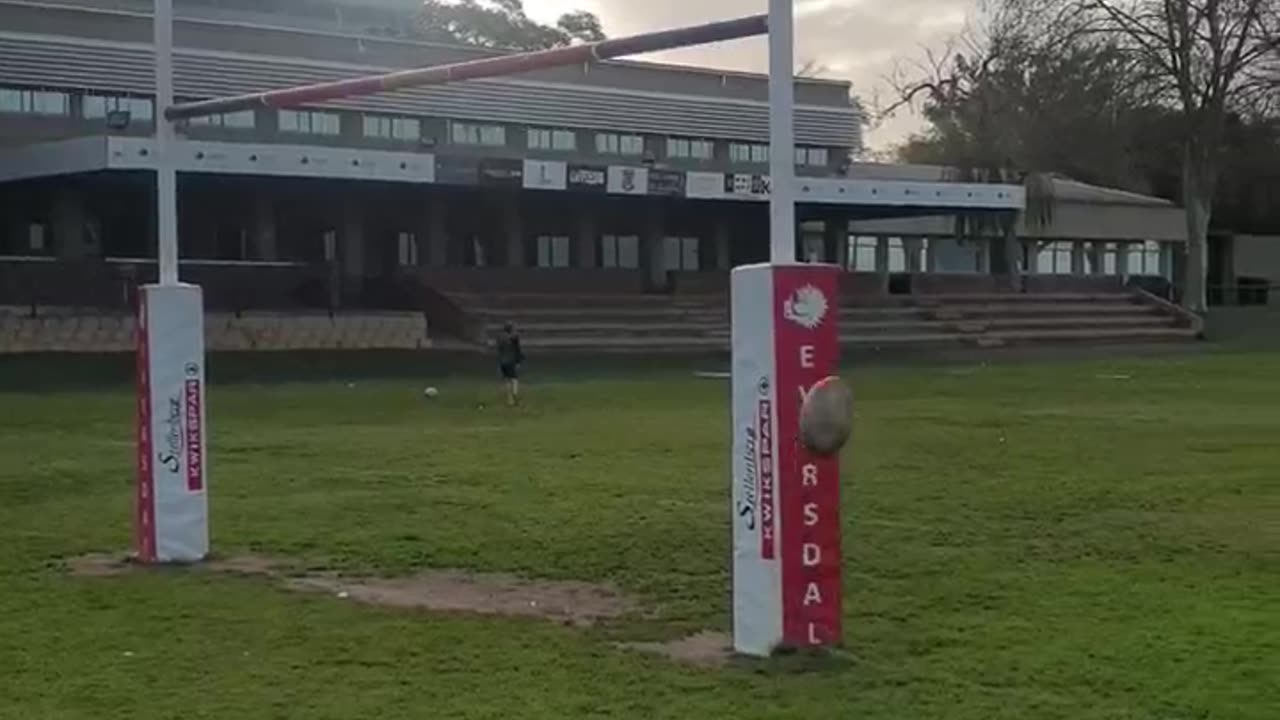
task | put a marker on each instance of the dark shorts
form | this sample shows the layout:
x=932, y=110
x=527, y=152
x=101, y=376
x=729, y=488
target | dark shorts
x=509, y=371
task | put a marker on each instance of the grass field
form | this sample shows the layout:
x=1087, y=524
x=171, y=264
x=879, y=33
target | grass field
x=1088, y=540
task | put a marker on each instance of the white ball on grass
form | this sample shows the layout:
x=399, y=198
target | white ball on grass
x=826, y=417
x=431, y=393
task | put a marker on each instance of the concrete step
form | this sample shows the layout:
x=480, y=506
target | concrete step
x=1030, y=298
x=674, y=342
x=616, y=329
x=1081, y=309
x=1102, y=334
x=918, y=338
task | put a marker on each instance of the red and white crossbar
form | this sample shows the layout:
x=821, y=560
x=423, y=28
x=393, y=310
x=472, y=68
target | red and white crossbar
x=476, y=69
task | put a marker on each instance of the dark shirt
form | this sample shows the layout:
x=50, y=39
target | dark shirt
x=509, y=352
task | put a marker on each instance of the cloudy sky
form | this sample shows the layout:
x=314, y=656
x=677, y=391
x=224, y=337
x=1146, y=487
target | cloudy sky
x=858, y=40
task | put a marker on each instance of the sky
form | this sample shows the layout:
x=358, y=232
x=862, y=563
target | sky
x=857, y=40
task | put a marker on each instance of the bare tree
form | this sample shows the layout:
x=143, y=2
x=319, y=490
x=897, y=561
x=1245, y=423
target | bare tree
x=1024, y=92
x=1208, y=59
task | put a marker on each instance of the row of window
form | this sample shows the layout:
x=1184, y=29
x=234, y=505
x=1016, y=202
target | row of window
x=1056, y=258
x=1144, y=258
x=759, y=154
x=407, y=129
x=622, y=252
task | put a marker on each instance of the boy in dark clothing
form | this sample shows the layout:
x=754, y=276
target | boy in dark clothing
x=510, y=357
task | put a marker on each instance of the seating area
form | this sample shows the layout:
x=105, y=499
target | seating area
x=65, y=330
x=699, y=322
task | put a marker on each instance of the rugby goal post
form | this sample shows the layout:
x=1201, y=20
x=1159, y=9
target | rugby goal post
x=785, y=502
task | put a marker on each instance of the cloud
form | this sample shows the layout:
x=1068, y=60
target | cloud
x=857, y=40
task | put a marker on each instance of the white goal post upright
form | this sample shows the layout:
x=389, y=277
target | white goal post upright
x=785, y=316
x=171, y=519
x=785, y=338
x=172, y=515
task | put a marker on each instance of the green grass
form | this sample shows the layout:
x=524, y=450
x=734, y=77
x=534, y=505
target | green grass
x=1022, y=541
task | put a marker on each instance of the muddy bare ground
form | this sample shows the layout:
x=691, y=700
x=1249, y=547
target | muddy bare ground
x=707, y=649
x=578, y=604
x=570, y=603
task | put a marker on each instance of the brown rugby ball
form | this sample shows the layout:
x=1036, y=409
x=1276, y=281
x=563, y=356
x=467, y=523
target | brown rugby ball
x=826, y=417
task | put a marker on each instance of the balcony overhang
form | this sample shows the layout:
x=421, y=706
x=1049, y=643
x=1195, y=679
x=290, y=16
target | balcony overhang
x=116, y=153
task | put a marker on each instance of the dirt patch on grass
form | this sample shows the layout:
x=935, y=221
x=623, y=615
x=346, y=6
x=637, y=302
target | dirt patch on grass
x=100, y=565
x=706, y=649
x=566, y=602
x=570, y=603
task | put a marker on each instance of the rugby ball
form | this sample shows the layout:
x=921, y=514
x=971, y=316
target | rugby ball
x=826, y=417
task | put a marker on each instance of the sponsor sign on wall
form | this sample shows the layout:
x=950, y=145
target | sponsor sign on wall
x=545, y=175
x=503, y=172
x=786, y=525
x=588, y=178
x=452, y=170
x=709, y=185
x=746, y=186
x=666, y=182
x=628, y=180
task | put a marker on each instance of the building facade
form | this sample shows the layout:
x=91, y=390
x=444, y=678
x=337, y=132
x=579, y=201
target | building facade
x=638, y=172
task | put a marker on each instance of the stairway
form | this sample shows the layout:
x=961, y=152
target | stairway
x=605, y=323
x=694, y=323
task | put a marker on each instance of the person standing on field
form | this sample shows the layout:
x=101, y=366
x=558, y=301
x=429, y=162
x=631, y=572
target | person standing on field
x=510, y=358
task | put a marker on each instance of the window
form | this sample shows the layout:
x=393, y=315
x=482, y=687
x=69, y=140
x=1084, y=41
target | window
x=242, y=120
x=37, y=238
x=543, y=139
x=392, y=128
x=478, y=256
x=690, y=149
x=812, y=157
x=681, y=253
x=35, y=102
x=749, y=153
x=861, y=255
x=908, y=255
x=1054, y=258
x=474, y=134
x=97, y=106
x=1105, y=253
x=407, y=249
x=1145, y=259
x=614, y=144
x=330, y=239
x=310, y=122
x=620, y=251
x=553, y=251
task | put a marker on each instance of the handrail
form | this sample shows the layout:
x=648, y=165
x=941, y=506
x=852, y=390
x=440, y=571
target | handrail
x=1193, y=321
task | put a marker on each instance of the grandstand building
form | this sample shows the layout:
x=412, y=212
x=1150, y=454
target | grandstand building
x=619, y=179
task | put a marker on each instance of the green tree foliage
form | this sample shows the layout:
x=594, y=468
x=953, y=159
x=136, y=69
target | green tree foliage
x=502, y=24
x=1160, y=96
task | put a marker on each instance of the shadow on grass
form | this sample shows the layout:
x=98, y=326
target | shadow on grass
x=57, y=371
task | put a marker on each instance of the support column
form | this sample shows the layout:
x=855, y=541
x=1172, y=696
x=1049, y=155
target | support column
x=1122, y=259
x=1095, y=251
x=351, y=254
x=587, y=233
x=882, y=263
x=437, y=231
x=652, y=240
x=1012, y=249
x=264, y=228
x=836, y=237
x=1077, y=257
x=724, y=257
x=911, y=246
x=69, y=238
x=513, y=231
